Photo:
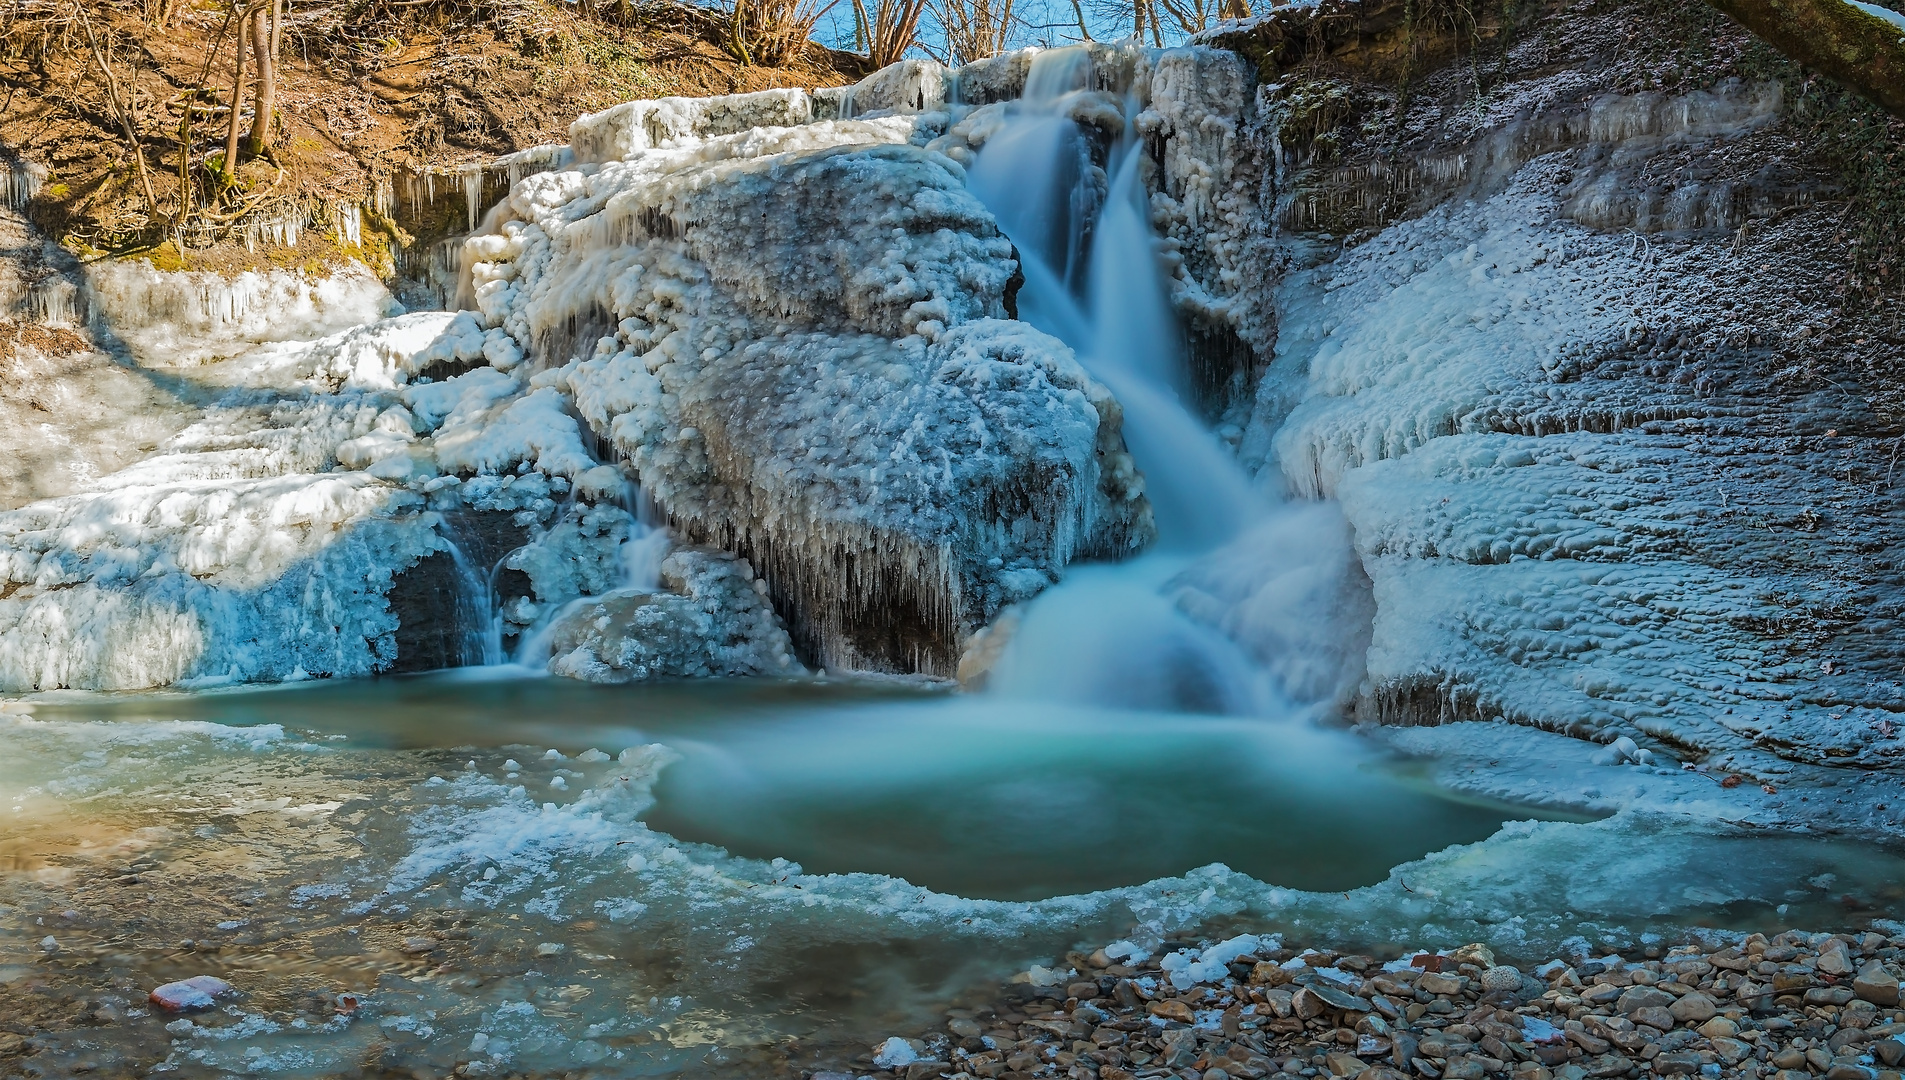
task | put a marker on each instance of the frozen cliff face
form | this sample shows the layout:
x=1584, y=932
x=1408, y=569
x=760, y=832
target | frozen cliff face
x=795, y=337
x=311, y=520
x=1573, y=407
x=713, y=619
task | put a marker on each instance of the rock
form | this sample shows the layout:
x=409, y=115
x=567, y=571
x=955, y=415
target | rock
x=1828, y=995
x=1719, y=1028
x=1083, y=991
x=1732, y=1051
x=709, y=619
x=1501, y=978
x=1592, y=1044
x=1172, y=1010
x=1268, y=974
x=1818, y=1059
x=1890, y=1052
x=965, y=1029
x=1478, y=954
x=1464, y=1068
x=1441, y=985
x=1677, y=1063
x=926, y=1070
x=1833, y=959
x=1215, y=1074
x=1402, y=1047
x=1789, y=1058
x=1338, y=999
x=1345, y=1065
x=549, y=948
x=1876, y=985
x=1310, y=1004
x=417, y=946
x=1609, y=1065
x=1602, y=994
x=1694, y=1008
x=1844, y=1071
x=1654, y=1017
x=197, y=992
x=1793, y=977
x=1642, y=997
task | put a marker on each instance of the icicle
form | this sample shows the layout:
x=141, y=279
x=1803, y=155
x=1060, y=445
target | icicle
x=472, y=177
x=20, y=183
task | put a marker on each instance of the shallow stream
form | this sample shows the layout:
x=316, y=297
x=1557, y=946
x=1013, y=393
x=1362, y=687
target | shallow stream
x=523, y=873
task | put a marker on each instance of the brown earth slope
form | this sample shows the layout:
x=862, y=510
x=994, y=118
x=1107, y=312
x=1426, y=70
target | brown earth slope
x=364, y=89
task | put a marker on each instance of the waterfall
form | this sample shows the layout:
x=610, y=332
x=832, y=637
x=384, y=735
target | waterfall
x=479, y=621
x=1117, y=634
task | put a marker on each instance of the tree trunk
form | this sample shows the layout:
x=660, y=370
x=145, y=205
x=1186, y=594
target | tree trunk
x=1859, y=50
x=238, y=95
x=264, y=101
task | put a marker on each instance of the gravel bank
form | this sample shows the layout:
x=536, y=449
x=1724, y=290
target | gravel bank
x=1793, y=1007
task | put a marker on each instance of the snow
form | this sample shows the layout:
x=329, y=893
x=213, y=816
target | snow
x=895, y=1053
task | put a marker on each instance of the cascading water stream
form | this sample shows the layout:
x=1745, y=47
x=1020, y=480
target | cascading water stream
x=1111, y=634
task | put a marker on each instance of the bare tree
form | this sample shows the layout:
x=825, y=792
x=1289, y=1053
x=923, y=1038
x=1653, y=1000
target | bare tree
x=264, y=102
x=122, y=111
x=772, y=32
x=894, y=29
x=975, y=29
x=1195, y=16
x=238, y=93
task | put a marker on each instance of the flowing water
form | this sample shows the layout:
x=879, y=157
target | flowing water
x=496, y=873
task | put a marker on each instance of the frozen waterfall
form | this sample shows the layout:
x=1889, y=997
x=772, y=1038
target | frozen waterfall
x=1122, y=635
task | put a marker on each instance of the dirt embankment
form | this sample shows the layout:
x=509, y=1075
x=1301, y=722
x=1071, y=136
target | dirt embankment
x=367, y=92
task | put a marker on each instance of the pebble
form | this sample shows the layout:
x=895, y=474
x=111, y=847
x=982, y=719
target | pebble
x=197, y=992
x=1763, y=1009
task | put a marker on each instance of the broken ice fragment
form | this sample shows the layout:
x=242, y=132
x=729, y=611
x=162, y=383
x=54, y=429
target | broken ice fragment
x=197, y=992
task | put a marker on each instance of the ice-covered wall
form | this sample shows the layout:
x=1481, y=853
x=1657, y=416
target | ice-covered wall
x=1593, y=472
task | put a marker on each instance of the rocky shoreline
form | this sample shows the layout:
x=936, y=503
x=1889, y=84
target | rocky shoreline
x=1792, y=1007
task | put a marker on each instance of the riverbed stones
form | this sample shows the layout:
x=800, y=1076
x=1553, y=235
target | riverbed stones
x=1501, y=978
x=1694, y=1008
x=1642, y=997
x=1876, y=984
x=1134, y=1023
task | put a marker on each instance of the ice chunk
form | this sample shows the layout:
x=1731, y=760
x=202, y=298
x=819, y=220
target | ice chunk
x=197, y=992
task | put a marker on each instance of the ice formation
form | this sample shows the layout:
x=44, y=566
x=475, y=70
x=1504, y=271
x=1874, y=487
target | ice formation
x=795, y=337
x=183, y=317
x=269, y=539
x=714, y=619
x=1565, y=451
